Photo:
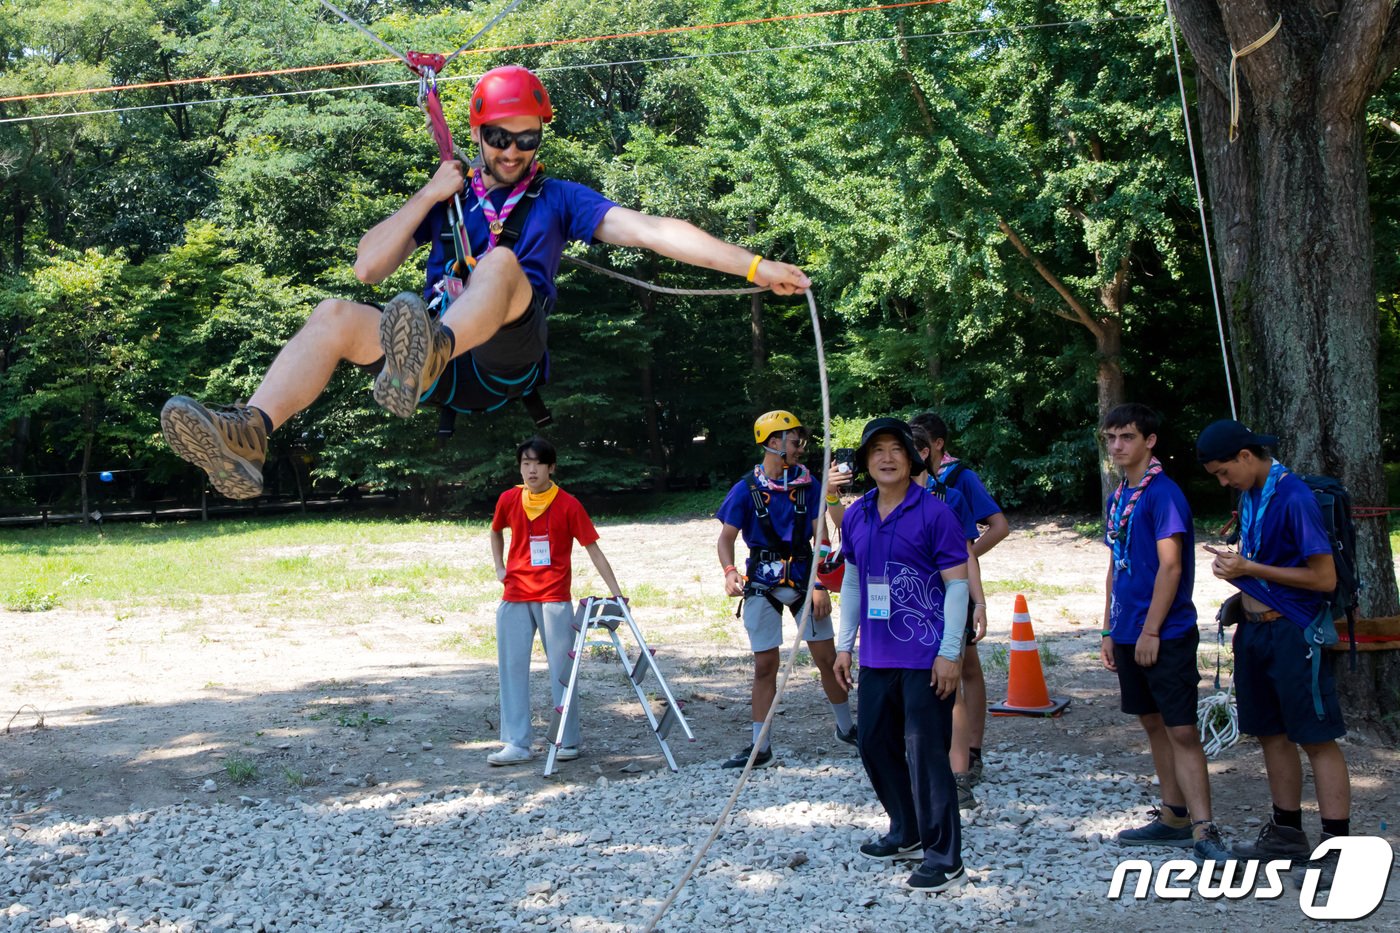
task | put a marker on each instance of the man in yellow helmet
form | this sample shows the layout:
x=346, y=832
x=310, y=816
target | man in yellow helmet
x=775, y=507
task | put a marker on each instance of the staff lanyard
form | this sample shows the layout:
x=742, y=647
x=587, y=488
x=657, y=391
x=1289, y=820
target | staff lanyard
x=1120, y=515
x=1252, y=514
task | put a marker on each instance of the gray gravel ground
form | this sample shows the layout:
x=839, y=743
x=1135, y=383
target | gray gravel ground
x=602, y=856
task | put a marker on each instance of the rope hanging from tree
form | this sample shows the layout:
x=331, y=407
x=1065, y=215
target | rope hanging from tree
x=1235, y=57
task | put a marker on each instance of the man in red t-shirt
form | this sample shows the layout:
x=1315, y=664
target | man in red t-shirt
x=544, y=522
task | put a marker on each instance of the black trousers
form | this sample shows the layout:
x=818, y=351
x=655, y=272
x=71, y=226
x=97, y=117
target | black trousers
x=904, y=731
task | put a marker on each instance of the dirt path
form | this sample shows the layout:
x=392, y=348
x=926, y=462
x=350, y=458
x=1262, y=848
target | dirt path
x=142, y=710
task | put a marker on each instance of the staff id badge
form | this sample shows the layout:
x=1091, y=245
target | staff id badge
x=539, y=550
x=877, y=598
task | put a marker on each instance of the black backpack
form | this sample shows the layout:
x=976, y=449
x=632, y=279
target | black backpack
x=1334, y=501
x=940, y=486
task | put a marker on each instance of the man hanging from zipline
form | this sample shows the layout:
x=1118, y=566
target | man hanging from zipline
x=486, y=343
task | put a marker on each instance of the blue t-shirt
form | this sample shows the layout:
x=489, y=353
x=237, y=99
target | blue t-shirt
x=1292, y=531
x=564, y=211
x=969, y=485
x=1161, y=512
x=738, y=510
x=955, y=501
x=909, y=548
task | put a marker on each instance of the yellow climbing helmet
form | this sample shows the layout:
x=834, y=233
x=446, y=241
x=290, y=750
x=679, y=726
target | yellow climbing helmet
x=772, y=422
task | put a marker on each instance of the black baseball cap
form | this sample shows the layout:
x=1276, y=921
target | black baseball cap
x=900, y=430
x=1224, y=439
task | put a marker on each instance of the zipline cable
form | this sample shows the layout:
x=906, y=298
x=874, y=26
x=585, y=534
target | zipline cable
x=1201, y=208
x=657, y=60
x=723, y=817
x=400, y=57
x=369, y=34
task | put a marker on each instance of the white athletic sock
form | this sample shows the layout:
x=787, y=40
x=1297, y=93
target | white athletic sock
x=843, y=715
x=757, y=728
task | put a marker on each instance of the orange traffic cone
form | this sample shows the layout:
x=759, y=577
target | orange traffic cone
x=1025, y=688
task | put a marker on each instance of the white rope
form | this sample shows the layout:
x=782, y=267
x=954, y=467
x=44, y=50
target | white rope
x=1201, y=209
x=1219, y=722
x=723, y=817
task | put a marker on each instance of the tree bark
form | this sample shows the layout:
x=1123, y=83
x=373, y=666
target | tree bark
x=1293, y=233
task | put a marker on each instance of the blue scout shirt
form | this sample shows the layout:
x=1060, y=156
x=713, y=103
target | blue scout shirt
x=969, y=485
x=955, y=501
x=1291, y=532
x=1161, y=512
x=909, y=547
x=564, y=211
x=737, y=510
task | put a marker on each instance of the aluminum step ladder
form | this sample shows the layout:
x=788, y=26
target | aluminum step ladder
x=596, y=622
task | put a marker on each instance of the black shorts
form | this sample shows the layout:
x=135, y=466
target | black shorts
x=1167, y=687
x=511, y=364
x=1273, y=683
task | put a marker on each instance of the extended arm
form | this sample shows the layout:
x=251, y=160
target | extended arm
x=685, y=242
x=600, y=563
x=390, y=242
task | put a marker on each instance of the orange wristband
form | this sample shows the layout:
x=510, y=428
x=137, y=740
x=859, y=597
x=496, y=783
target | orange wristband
x=753, y=267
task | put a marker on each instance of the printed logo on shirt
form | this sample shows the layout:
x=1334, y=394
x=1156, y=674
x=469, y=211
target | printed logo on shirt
x=914, y=606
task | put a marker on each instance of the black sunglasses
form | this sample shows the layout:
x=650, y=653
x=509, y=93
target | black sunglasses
x=497, y=138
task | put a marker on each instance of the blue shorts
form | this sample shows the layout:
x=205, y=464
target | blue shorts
x=1273, y=684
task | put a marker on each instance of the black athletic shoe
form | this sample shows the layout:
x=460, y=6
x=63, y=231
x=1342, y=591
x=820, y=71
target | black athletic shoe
x=849, y=736
x=885, y=851
x=934, y=880
x=762, y=760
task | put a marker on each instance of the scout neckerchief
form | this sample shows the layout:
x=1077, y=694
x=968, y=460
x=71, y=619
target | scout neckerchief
x=534, y=504
x=945, y=465
x=496, y=220
x=801, y=477
x=1252, y=513
x=1120, y=514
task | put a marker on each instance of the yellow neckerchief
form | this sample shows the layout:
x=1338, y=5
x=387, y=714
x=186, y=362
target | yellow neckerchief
x=534, y=504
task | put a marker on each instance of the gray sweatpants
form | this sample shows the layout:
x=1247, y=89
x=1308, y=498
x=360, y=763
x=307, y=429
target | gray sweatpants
x=516, y=624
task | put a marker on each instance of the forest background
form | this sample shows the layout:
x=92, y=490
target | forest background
x=994, y=201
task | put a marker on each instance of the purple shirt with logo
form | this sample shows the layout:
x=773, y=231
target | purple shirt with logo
x=910, y=547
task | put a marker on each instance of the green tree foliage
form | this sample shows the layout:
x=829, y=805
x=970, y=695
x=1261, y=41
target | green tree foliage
x=998, y=219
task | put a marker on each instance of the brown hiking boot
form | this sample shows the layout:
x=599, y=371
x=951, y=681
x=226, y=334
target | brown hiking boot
x=230, y=444
x=416, y=351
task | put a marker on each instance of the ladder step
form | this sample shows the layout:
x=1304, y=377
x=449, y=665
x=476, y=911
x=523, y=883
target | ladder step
x=667, y=723
x=640, y=669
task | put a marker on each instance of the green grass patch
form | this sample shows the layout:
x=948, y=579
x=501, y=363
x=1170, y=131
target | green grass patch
x=241, y=770
x=1027, y=587
x=482, y=647
x=30, y=597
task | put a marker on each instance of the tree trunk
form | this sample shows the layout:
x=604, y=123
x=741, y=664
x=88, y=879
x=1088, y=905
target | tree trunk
x=1108, y=347
x=1293, y=233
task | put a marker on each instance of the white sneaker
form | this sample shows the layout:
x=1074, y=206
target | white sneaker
x=566, y=753
x=509, y=755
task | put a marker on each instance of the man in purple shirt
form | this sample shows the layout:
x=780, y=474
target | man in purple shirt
x=488, y=337
x=909, y=553
x=1285, y=573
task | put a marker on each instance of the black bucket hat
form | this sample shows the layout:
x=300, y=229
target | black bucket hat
x=895, y=426
x=1224, y=439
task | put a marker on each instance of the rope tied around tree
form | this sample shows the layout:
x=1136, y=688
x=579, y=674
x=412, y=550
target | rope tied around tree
x=1235, y=57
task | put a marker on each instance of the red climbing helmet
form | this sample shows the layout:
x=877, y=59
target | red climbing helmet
x=509, y=91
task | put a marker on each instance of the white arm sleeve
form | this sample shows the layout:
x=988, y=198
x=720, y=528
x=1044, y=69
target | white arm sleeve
x=954, y=619
x=850, y=609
